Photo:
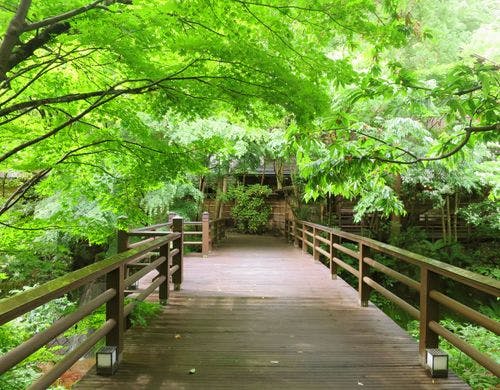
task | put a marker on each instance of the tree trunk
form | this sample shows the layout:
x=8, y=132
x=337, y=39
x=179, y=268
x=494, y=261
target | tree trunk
x=293, y=200
x=218, y=202
x=202, y=184
x=278, y=171
x=396, y=219
x=448, y=218
x=443, y=223
x=224, y=191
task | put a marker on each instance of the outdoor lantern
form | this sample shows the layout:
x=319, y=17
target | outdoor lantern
x=437, y=363
x=106, y=363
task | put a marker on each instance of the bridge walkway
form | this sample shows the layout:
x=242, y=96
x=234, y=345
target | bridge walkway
x=260, y=314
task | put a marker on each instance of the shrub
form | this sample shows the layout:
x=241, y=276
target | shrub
x=250, y=210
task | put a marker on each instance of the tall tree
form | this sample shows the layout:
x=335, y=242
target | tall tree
x=412, y=106
x=71, y=73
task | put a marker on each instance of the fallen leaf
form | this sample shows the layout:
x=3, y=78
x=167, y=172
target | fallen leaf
x=192, y=371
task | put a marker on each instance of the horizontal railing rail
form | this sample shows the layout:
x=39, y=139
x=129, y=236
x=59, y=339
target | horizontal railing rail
x=168, y=264
x=316, y=237
x=204, y=234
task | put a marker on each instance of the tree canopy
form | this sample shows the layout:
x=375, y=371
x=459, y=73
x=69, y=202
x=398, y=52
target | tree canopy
x=99, y=100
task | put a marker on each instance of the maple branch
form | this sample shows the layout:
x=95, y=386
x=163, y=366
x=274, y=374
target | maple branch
x=61, y=17
x=13, y=51
x=11, y=38
x=468, y=133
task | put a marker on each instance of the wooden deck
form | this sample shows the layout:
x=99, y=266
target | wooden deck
x=259, y=314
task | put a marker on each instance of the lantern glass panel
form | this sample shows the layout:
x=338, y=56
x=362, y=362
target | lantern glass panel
x=440, y=363
x=429, y=359
x=104, y=360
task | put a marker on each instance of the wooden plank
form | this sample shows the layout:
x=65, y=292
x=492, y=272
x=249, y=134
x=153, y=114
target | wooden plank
x=242, y=322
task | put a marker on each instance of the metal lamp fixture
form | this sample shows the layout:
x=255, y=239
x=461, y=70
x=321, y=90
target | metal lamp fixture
x=106, y=362
x=437, y=363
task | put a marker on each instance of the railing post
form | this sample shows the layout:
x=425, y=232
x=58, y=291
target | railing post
x=177, y=259
x=163, y=271
x=114, y=309
x=315, y=244
x=334, y=239
x=122, y=246
x=304, y=237
x=363, y=289
x=122, y=241
x=429, y=311
x=295, y=231
x=205, y=236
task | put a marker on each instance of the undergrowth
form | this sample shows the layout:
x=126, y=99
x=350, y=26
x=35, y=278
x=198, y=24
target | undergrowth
x=17, y=331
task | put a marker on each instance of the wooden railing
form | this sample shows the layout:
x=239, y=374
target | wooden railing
x=205, y=233
x=165, y=254
x=316, y=238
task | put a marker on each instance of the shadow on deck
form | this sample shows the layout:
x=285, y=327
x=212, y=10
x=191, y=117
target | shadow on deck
x=259, y=314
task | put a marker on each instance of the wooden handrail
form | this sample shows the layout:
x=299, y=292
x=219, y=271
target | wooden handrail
x=28, y=300
x=430, y=269
x=472, y=279
x=210, y=230
x=113, y=268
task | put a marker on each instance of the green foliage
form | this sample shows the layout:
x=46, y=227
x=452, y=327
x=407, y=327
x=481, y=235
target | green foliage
x=409, y=106
x=144, y=312
x=95, y=146
x=20, y=377
x=182, y=198
x=15, y=332
x=366, y=92
x=250, y=211
x=483, y=215
x=381, y=199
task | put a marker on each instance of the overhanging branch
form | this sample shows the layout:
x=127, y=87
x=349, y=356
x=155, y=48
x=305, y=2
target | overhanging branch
x=468, y=133
x=62, y=17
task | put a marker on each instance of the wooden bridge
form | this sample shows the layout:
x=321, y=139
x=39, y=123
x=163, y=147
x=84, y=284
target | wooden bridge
x=258, y=312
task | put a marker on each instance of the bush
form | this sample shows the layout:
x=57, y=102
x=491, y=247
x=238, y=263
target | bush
x=250, y=210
